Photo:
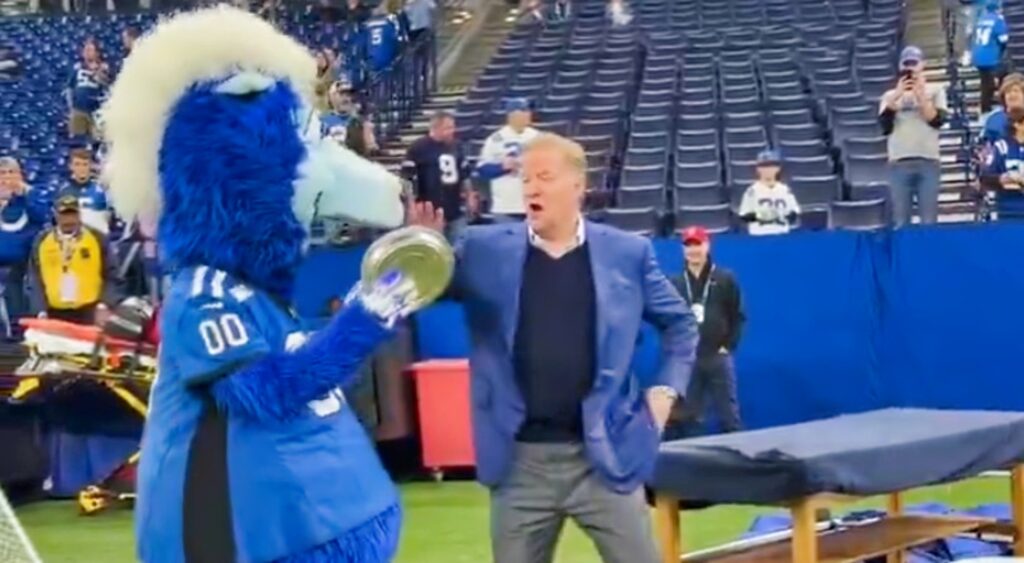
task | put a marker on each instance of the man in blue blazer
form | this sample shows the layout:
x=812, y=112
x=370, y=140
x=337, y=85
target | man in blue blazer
x=561, y=424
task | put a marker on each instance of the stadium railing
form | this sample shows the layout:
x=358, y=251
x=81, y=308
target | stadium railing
x=394, y=94
x=961, y=119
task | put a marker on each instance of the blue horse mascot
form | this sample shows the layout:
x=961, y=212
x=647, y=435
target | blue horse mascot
x=250, y=453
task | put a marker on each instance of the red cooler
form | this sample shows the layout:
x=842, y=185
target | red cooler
x=442, y=396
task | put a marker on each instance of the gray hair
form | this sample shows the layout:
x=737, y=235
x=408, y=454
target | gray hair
x=9, y=162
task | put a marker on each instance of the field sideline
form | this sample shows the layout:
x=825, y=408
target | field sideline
x=445, y=523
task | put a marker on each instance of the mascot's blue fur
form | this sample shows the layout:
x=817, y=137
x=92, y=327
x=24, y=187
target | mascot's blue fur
x=211, y=135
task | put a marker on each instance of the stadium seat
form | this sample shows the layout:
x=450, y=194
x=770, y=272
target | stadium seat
x=641, y=221
x=715, y=218
x=863, y=215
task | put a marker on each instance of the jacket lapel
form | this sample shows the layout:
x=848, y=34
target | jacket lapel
x=512, y=260
x=599, y=261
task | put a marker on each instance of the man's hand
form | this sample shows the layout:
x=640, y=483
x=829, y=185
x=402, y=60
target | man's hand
x=660, y=402
x=892, y=99
x=424, y=214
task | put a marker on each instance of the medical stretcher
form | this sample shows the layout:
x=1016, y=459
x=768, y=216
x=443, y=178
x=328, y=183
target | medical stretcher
x=62, y=354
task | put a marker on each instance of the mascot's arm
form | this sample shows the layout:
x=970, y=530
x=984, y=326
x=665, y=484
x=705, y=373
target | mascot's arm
x=216, y=344
x=278, y=385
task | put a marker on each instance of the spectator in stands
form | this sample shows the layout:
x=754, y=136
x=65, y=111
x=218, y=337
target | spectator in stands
x=356, y=13
x=325, y=77
x=1003, y=172
x=714, y=297
x=1011, y=97
x=988, y=43
x=87, y=86
x=437, y=168
x=383, y=37
x=768, y=205
x=74, y=274
x=93, y=199
x=344, y=124
x=561, y=10
x=500, y=160
x=911, y=115
x=420, y=14
x=22, y=214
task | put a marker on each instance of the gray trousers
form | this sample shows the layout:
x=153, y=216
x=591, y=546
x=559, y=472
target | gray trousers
x=552, y=482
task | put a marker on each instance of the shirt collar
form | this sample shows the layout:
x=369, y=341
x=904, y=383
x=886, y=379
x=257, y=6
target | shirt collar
x=581, y=235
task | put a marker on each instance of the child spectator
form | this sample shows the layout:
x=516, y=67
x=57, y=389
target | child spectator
x=1004, y=169
x=95, y=212
x=987, y=45
x=87, y=86
x=768, y=205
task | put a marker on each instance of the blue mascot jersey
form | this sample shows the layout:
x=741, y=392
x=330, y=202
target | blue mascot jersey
x=293, y=485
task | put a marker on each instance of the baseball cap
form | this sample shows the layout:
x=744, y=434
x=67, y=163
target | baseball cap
x=67, y=202
x=695, y=234
x=911, y=55
x=768, y=157
x=515, y=104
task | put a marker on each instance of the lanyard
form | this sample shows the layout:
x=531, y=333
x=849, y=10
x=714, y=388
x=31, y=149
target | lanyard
x=707, y=287
x=67, y=250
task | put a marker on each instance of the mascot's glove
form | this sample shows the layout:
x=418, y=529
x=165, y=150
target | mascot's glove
x=390, y=298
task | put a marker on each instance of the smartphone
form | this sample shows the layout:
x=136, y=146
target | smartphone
x=906, y=74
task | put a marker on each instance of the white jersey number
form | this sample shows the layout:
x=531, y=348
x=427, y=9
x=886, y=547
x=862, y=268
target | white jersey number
x=227, y=331
x=449, y=169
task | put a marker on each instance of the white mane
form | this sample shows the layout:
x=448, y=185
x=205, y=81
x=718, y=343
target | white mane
x=199, y=46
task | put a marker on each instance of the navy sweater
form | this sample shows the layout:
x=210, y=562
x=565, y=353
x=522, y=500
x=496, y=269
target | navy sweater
x=555, y=344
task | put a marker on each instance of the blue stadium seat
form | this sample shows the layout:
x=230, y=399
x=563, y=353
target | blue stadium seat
x=716, y=218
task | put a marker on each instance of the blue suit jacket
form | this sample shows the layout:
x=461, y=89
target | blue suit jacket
x=620, y=436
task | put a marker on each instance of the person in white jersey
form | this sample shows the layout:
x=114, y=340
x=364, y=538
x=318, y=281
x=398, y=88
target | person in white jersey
x=768, y=205
x=500, y=161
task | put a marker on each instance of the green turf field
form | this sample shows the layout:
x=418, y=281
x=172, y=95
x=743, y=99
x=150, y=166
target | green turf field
x=445, y=523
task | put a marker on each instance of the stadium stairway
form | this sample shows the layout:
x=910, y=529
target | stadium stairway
x=925, y=29
x=461, y=57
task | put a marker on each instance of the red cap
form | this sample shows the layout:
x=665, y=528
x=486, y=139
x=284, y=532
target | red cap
x=695, y=234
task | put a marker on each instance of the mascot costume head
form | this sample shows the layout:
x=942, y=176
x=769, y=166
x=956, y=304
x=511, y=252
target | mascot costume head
x=250, y=452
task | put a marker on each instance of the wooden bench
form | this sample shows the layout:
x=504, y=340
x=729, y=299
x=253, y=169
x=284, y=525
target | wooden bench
x=891, y=536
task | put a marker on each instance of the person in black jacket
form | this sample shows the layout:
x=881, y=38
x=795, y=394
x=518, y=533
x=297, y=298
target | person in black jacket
x=714, y=298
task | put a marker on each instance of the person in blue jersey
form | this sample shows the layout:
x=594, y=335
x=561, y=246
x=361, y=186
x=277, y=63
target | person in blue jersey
x=987, y=45
x=23, y=214
x=86, y=87
x=1003, y=172
x=383, y=37
x=92, y=198
x=251, y=451
x=436, y=165
x=344, y=124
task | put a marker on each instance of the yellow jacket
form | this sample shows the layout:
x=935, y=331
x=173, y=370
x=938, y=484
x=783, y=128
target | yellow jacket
x=75, y=274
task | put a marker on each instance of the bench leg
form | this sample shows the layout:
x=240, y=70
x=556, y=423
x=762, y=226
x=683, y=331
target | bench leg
x=666, y=526
x=1017, y=504
x=805, y=535
x=894, y=507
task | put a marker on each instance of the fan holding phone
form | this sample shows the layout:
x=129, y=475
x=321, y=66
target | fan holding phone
x=911, y=115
